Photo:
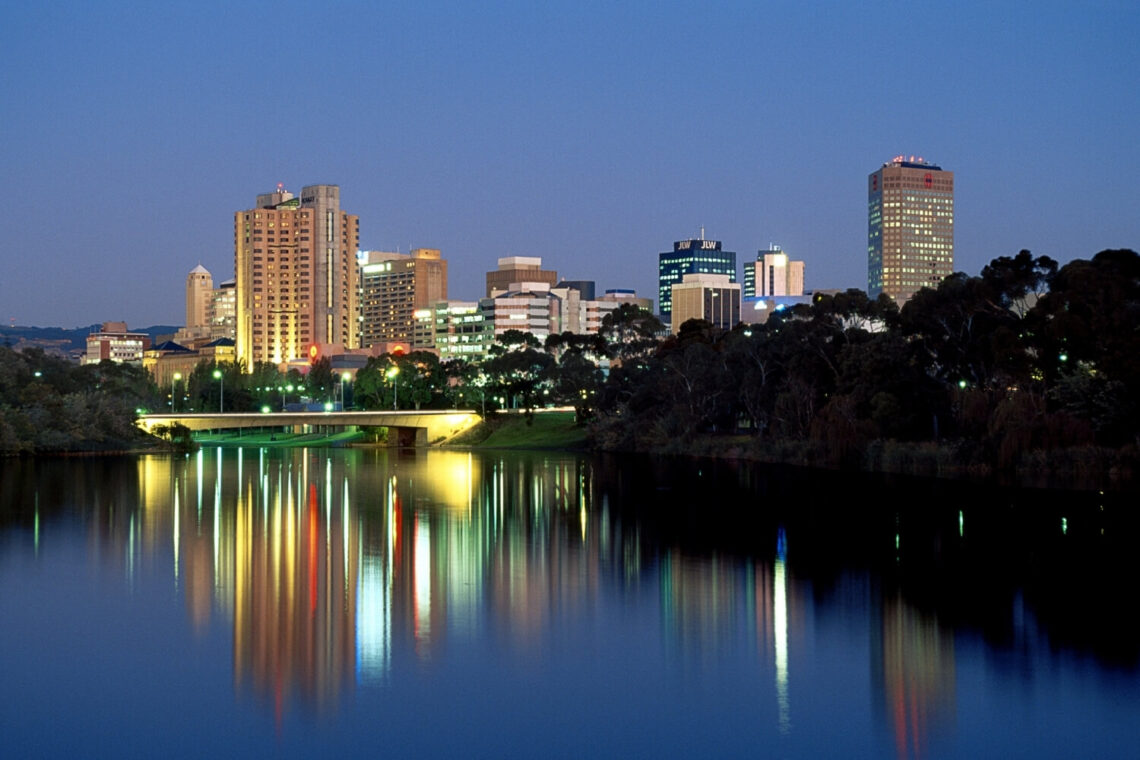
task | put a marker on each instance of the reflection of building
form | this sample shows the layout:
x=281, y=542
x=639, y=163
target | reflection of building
x=296, y=275
x=115, y=343
x=914, y=668
x=392, y=287
x=690, y=257
x=910, y=227
x=711, y=297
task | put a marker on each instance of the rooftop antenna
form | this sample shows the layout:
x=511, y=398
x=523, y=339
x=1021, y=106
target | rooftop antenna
x=702, y=232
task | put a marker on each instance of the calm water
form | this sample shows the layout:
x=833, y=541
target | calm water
x=312, y=602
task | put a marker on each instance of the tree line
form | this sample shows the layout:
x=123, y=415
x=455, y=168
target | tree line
x=1027, y=357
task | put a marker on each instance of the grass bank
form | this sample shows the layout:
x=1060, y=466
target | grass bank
x=543, y=430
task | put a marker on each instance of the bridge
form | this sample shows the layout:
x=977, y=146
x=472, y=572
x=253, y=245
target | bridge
x=410, y=427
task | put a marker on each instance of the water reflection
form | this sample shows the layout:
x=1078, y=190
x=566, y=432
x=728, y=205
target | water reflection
x=335, y=571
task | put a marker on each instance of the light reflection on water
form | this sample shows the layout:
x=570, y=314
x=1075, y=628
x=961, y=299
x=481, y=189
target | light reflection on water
x=349, y=579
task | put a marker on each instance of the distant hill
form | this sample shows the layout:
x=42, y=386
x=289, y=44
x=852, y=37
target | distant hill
x=67, y=341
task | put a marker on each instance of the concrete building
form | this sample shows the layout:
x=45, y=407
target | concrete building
x=618, y=296
x=296, y=275
x=690, y=257
x=223, y=311
x=518, y=269
x=210, y=312
x=529, y=306
x=910, y=227
x=712, y=297
x=199, y=298
x=392, y=287
x=772, y=274
x=462, y=330
x=115, y=342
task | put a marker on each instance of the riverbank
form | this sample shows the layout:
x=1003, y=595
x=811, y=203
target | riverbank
x=546, y=430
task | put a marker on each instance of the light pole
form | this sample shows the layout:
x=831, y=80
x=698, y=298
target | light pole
x=174, y=379
x=393, y=374
x=219, y=375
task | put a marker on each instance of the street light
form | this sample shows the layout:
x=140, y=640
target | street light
x=174, y=379
x=393, y=374
x=219, y=375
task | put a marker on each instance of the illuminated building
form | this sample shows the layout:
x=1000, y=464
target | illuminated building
x=295, y=275
x=711, y=297
x=910, y=227
x=518, y=269
x=529, y=306
x=690, y=257
x=392, y=287
x=210, y=312
x=462, y=330
x=114, y=342
x=772, y=274
x=199, y=296
x=223, y=314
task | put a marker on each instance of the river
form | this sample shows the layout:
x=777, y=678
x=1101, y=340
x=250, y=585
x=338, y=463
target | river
x=304, y=602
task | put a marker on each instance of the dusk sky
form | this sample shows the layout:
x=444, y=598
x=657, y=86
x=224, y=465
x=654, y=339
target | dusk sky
x=592, y=134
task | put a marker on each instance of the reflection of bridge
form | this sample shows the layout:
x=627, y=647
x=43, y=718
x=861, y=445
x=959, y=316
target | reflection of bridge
x=411, y=428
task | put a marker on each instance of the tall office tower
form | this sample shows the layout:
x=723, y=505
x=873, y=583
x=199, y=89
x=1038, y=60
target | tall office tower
x=690, y=257
x=772, y=274
x=199, y=298
x=296, y=275
x=392, y=287
x=910, y=227
x=518, y=269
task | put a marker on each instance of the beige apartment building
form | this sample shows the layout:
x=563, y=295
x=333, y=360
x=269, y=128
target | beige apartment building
x=393, y=286
x=296, y=275
x=910, y=227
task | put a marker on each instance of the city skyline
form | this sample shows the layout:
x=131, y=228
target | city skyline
x=578, y=134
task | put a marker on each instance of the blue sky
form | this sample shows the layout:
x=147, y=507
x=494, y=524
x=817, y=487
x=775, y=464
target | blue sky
x=592, y=134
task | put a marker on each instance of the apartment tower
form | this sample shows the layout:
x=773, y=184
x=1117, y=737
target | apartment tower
x=295, y=275
x=910, y=227
x=393, y=287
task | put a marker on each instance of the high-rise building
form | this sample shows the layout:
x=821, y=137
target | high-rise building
x=199, y=294
x=910, y=227
x=296, y=275
x=690, y=257
x=392, y=287
x=712, y=297
x=772, y=274
x=514, y=270
x=223, y=315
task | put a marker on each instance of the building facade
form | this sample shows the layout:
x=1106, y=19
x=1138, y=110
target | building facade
x=910, y=227
x=711, y=297
x=296, y=275
x=462, y=330
x=690, y=257
x=114, y=342
x=393, y=287
x=518, y=269
x=773, y=274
